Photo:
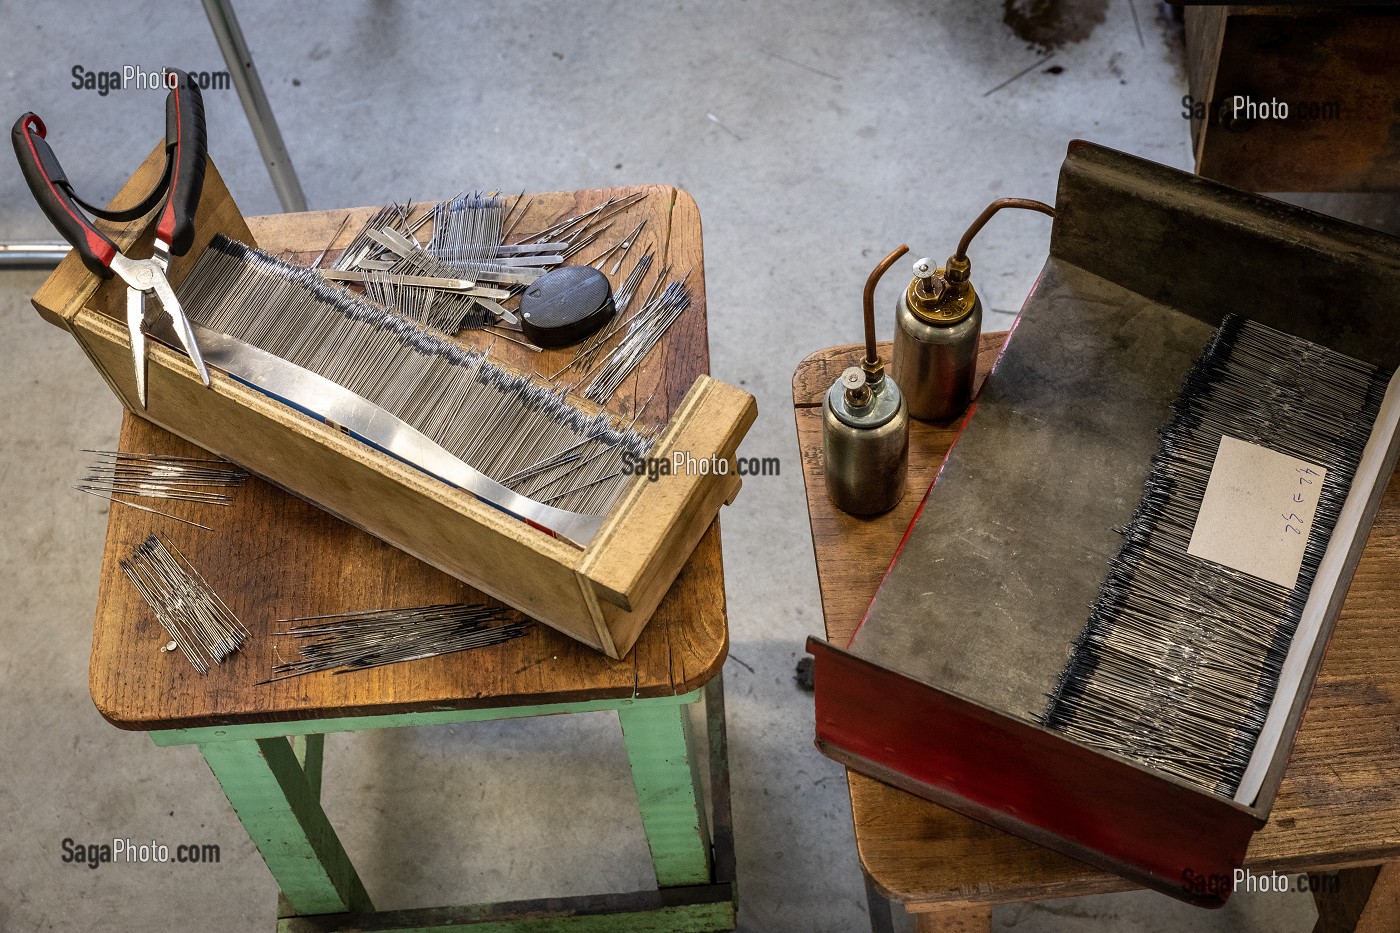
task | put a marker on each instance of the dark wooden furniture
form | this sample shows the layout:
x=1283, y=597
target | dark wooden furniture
x=1333, y=65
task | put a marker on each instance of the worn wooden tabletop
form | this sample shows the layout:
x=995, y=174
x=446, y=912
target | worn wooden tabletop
x=1339, y=805
x=272, y=556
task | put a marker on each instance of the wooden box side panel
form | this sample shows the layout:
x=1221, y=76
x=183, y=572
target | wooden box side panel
x=441, y=526
x=656, y=517
x=1205, y=31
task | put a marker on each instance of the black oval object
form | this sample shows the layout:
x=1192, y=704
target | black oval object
x=565, y=305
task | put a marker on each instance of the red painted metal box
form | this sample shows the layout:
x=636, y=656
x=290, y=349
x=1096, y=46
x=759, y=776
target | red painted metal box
x=942, y=689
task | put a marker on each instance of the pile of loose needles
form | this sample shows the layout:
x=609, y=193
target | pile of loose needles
x=118, y=473
x=202, y=626
x=355, y=641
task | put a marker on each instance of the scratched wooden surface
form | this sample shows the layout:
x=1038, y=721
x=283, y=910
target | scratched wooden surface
x=1338, y=807
x=273, y=556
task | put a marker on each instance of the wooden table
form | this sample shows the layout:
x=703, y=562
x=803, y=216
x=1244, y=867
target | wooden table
x=273, y=556
x=1337, y=811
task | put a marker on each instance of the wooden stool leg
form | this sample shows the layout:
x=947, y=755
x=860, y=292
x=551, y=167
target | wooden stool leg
x=666, y=773
x=721, y=812
x=885, y=915
x=1382, y=911
x=310, y=751
x=1367, y=900
x=278, y=806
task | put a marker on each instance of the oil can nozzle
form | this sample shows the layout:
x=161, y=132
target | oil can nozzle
x=858, y=394
x=874, y=369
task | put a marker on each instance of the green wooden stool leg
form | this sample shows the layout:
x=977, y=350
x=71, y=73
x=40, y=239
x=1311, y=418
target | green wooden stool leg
x=311, y=752
x=666, y=773
x=279, y=808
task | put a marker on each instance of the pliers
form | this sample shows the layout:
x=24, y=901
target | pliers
x=186, y=146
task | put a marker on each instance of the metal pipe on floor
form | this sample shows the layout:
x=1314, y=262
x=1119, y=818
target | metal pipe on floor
x=32, y=255
x=255, y=105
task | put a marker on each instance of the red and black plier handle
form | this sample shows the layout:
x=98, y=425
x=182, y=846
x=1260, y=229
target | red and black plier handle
x=186, y=146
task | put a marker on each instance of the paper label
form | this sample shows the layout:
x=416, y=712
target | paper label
x=1258, y=511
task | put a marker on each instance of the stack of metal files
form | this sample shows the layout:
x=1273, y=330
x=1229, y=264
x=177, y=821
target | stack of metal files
x=203, y=628
x=461, y=276
x=524, y=435
x=156, y=476
x=354, y=641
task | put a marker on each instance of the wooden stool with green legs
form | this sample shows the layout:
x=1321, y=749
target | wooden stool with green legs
x=273, y=556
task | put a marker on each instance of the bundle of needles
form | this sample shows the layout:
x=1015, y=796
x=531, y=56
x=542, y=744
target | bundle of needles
x=1179, y=662
x=644, y=330
x=599, y=374
x=581, y=230
x=525, y=435
x=201, y=625
x=620, y=249
x=468, y=232
x=468, y=241
x=117, y=475
x=355, y=641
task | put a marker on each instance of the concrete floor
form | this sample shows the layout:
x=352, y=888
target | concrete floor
x=820, y=175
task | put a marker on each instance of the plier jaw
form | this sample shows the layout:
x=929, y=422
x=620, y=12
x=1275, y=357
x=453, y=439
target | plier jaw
x=145, y=279
x=136, y=327
x=180, y=187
